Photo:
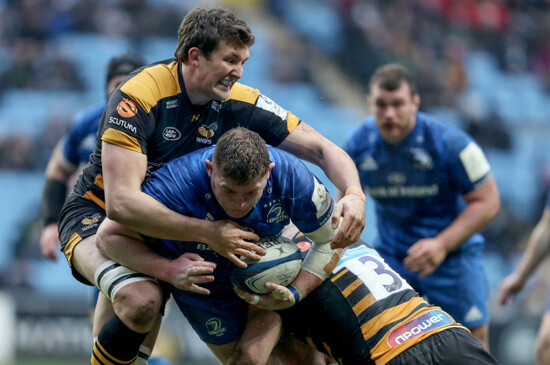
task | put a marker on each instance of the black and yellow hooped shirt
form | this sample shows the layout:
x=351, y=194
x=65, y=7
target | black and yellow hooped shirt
x=150, y=113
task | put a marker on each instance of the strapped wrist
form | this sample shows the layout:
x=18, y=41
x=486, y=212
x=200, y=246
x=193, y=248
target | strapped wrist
x=53, y=199
x=295, y=293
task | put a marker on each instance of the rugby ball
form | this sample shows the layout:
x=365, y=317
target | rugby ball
x=280, y=265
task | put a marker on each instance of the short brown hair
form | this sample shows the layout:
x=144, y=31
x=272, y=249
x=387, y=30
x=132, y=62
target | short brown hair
x=390, y=77
x=241, y=155
x=206, y=28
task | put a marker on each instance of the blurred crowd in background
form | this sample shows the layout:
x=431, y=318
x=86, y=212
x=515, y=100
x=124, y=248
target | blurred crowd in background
x=474, y=62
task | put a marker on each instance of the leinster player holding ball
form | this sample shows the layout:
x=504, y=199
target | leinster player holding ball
x=261, y=189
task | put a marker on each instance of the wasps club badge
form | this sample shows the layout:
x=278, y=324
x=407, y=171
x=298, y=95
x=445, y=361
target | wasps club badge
x=126, y=108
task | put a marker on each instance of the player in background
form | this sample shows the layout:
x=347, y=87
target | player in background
x=537, y=249
x=258, y=188
x=73, y=151
x=67, y=160
x=433, y=192
x=161, y=112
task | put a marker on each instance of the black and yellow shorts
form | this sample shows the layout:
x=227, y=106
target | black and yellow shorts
x=79, y=218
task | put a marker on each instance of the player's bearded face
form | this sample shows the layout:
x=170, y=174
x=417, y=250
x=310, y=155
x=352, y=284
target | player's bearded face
x=219, y=72
x=394, y=111
x=237, y=200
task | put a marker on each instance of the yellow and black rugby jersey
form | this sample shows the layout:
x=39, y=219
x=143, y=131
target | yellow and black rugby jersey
x=150, y=113
x=364, y=313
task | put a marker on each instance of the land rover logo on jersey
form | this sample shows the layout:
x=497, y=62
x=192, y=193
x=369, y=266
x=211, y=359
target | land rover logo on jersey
x=126, y=108
x=171, y=134
x=214, y=327
x=208, y=130
x=276, y=213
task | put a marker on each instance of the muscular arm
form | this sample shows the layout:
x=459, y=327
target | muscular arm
x=123, y=173
x=126, y=247
x=483, y=205
x=537, y=249
x=309, y=145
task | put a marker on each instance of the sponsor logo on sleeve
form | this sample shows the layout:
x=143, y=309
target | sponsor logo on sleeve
x=474, y=161
x=320, y=198
x=266, y=103
x=121, y=122
x=126, y=108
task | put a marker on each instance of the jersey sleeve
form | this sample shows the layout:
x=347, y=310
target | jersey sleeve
x=125, y=123
x=466, y=162
x=259, y=113
x=311, y=204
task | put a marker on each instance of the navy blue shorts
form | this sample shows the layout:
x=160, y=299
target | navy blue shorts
x=218, y=318
x=458, y=286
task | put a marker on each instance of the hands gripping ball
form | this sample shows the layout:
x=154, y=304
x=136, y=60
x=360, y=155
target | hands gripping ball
x=280, y=265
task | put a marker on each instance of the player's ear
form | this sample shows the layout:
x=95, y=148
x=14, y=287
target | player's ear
x=193, y=55
x=416, y=100
x=271, y=166
x=209, y=167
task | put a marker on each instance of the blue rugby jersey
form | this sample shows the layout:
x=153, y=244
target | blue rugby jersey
x=418, y=184
x=79, y=143
x=292, y=192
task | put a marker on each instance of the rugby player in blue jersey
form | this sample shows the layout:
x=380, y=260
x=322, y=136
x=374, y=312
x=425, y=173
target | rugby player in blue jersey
x=163, y=111
x=363, y=314
x=434, y=192
x=536, y=251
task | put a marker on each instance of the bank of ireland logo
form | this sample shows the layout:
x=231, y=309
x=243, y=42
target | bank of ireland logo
x=171, y=134
x=214, y=327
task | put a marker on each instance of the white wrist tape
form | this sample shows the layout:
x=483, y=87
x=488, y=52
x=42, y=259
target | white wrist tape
x=321, y=255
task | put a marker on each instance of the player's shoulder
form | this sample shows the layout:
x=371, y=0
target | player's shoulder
x=88, y=119
x=243, y=93
x=152, y=83
x=280, y=157
x=442, y=131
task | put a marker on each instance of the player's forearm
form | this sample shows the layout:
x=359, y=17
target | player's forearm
x=537, y=248
x=146, y=215
x=132, y=253
x=471, y=220
x=341, y=171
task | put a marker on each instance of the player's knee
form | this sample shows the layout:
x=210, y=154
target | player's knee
x=138, y=304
